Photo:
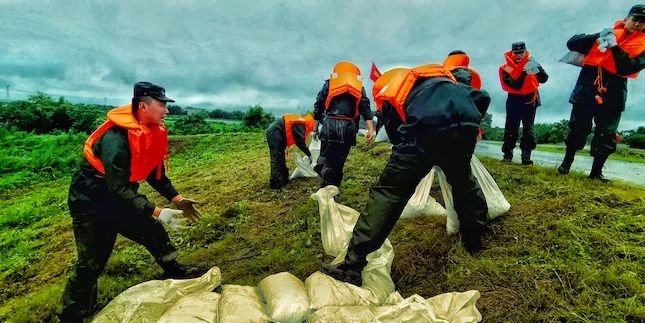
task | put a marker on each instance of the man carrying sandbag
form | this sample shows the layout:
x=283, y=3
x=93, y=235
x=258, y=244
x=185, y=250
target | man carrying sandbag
x=439, y=127
x=289, y=130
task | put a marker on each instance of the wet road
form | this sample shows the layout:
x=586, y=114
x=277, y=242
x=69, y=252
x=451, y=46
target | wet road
x=614, y=169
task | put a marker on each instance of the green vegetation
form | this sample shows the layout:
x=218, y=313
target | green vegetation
x=570, y=249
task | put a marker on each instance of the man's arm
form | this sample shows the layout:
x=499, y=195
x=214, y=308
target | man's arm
x=298, y=132
x=582, y=43
x=541, y=75
x=626, y=65
x=513, y=83
x=115, y=156
x=163, y=184
x=319, y=106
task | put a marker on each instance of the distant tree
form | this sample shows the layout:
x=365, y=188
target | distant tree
x=635, y=139
x=490, y=132
x=255, y=117
x=191, y=125
x=176, y=110
x=551, y=133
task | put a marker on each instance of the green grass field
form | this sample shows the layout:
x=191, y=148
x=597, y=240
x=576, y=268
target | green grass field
x=570, y=249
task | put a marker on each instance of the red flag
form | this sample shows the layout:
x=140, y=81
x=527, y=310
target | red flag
x=375, y=73
x=618, y=138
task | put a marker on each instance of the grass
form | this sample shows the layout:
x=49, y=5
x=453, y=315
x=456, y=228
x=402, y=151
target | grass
x=570, y=249
x=623, y=152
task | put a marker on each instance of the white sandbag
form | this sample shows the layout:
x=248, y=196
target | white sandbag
x=452, y=220
x=456, y=307
x=342, y=314
x=449, y=307
x=377, y=286
x=147, y=302
x=574, y=58
x=314, y=149
x=241, y=304
x=336, y=220
x=194, y=308
x=381, y=136
x=421, y=203
x=497, y=203
x=303, y=167
x=286, y=297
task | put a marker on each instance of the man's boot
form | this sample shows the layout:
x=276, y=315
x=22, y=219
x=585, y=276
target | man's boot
x=526, y=157
x=345, y=273
x=508, y=157
x=567, y=161
x=172, y=269
x=596, y=168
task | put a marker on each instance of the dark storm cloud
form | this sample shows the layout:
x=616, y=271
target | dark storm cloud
x=278, y=53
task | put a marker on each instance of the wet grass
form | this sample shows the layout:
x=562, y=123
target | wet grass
x=570, y=249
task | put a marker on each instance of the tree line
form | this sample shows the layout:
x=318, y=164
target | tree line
x=41, y=114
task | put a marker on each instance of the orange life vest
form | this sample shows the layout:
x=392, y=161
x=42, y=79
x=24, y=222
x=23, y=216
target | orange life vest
x=291, y=119
x=395, y=85
x=633, y=44
x=148, y=145
x=345, y=78
x=513, y=69
x=455, y=61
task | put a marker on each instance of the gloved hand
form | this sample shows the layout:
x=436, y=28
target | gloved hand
x=607, y=39
x=532, y=67
x=171, y=218
x=189, y=209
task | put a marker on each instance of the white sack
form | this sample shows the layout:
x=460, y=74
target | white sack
x=336, y=220
x=241, y=304
x=147, y=302
x=194, y=308
x=286, y=297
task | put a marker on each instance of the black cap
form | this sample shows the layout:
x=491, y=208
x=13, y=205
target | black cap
x=637, y=11
x=151, y=90
x=518, y=47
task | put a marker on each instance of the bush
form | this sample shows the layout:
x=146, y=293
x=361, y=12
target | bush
x=191, y=125
x=256, y=118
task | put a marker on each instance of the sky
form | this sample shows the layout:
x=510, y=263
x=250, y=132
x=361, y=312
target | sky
x=233, y=54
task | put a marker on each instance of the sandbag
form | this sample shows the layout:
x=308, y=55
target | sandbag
x=342, y=314
x=286, y=297
x=421, y=203
x=497, y=203
x=197, y=308
x=336, y=220
x=241, y=304
x=381, y=136
x=303, y=167
x=147, y=302
x=448, y=307
x=574, y=58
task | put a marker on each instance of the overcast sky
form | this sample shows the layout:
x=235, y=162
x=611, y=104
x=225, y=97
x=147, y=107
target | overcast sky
x=277, y=54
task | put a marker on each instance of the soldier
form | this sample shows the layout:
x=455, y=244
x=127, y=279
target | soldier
x=104, y=200
x=439, y=124
x=612, y=56
x=289, y=130
x=520, y=77
x=338, y=106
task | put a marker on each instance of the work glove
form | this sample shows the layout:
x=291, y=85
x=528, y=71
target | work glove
x=189, y=209
x=606, y=39
x=171, y=218
x=532, y=67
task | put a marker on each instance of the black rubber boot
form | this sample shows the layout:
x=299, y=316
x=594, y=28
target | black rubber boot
x=565, y=167
x=344, y=273
x=526, y=158
x=172, y=269
x=596, y=168
x=508, y=157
